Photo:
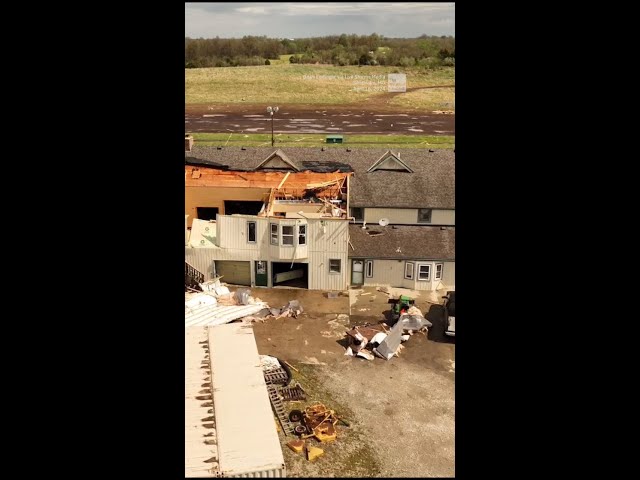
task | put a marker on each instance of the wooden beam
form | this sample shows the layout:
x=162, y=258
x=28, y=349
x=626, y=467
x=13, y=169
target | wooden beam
x=284, y=180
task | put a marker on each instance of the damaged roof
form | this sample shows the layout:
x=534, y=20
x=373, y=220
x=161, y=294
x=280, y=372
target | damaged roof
x=431, y=184
x=403, y=242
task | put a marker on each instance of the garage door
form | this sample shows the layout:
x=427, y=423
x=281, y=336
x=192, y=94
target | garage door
x=237, y=273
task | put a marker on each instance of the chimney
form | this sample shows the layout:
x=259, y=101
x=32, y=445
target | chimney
x=188, y=142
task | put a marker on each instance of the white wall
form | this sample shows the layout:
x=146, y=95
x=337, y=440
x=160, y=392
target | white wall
x=326, y=239
x=391, y=273
x=409, y=216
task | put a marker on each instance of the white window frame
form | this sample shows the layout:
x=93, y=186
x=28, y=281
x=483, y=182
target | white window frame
x=255, y=232
x=428, y=279
x=339, y=266
x=410, y=276
x=368, y=269
x=438, y=275
x=292, y=235
x=273, y=239
x=302, y=235
x=430, y=215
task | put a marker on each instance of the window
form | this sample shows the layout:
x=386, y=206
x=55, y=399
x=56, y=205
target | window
x=357, y=213
x=274, y=234
x=424, y=272
x=369, y=269
x=438, y=275
x=206, y=213
x=251, y=232
x=334, y=265
x=424, y=215
x=302, y=234
x=287, y=235
x=408, y=270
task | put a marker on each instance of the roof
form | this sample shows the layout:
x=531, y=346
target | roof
x=431, y=185
x=420, y=243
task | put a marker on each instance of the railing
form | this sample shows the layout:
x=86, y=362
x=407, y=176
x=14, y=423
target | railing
x=192, y=277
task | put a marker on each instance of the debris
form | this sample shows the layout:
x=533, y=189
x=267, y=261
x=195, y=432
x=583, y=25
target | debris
x=275, y=312
x=313, y=453
x=365, y=354
x=295, y=416
x=296, y=445
x=404, y=338
x=293, y=394
x=269, y=363
x=383, y=289
x=242, y=296
x=222, y=291
x=363, y=294
x=413, y=310
x=291, y=309
x=413, y=322
x=349, y=352
x=290, y=366
x=332, y=294
x=378, y=337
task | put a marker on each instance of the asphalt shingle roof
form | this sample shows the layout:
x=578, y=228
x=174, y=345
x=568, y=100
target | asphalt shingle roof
x=432, y=185
x=422, y=243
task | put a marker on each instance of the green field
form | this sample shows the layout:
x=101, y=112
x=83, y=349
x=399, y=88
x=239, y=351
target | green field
x=317, y=140
x=285, y=83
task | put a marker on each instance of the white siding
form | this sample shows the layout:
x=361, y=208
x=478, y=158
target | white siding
x=319, y=276
x=326, y=239
x=408, y=216
x=391, y=273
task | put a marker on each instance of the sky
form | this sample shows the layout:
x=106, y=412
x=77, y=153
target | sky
x=298, y=20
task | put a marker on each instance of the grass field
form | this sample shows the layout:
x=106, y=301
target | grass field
x=316, y=140
x=286, y=83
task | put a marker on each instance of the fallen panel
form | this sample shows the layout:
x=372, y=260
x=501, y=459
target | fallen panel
x=390, y=344
x=211, y=315
x=248, y=443
x=199, y=426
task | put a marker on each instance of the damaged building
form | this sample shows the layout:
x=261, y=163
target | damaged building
x=320, y=218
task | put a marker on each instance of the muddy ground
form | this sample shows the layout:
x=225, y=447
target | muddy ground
x=401, y=411
x=338, y=119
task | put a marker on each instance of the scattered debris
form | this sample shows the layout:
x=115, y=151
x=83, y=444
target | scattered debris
x=313, y=453
x=332, y=294
x=291, y=309
x=296, y=445
x=296, y=393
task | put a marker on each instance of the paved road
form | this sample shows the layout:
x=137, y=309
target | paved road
x=317, y=120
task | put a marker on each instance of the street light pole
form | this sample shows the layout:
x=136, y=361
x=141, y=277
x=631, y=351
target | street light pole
x=272, y=111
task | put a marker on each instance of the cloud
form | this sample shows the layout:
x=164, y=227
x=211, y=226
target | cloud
x=295, y=20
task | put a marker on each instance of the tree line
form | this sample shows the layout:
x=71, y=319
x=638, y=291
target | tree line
x=426, y=51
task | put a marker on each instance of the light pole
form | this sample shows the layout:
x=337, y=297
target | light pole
x=272, y=111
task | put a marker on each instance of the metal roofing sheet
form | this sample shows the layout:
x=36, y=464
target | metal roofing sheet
x=246, y=429
x=210, y=315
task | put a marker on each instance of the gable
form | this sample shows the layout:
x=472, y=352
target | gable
x=277, y=161
x=390, y=162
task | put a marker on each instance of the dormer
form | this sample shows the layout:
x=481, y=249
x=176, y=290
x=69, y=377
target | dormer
x=277, y=161
x=390, y=162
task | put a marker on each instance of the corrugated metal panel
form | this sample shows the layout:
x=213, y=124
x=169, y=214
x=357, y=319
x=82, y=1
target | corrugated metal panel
x=248, y=443
x=271, y=473
x=196, y=451
x=209, y=315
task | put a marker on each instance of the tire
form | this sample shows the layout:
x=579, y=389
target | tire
x=295, y=416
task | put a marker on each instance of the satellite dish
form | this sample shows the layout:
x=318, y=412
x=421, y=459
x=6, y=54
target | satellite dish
x=383, y=222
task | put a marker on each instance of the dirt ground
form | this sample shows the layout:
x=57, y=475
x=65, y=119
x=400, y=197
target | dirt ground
x=339, y=119
x=401, y=411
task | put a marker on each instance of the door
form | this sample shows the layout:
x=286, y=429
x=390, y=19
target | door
x=235, y=273
x=357, y=272
x=261, y=274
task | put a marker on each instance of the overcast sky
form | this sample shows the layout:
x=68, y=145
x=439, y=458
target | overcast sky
x=297, y=20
